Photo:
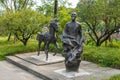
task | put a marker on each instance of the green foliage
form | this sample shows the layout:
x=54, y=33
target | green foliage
x=115, y=77
x=47, y=6
x=64, y=17
x=9, y=48
x=114, y=44
x=101, y=55
x=3, y=30
x=101, y=17
x=23, y=23
x=14, y=5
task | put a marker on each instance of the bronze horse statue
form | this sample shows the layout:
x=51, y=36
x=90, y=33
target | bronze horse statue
x=48, y=37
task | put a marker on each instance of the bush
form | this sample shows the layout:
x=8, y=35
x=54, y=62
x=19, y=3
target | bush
x=114, y=44
x=104, y=56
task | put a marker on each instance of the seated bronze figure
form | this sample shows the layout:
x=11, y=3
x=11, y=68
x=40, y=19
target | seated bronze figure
x=72, y=39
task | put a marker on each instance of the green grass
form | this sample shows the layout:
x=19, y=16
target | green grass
x=10, y=48
x=115, y=77
x=104, y=56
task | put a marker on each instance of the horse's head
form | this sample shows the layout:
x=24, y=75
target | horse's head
x=54, y=25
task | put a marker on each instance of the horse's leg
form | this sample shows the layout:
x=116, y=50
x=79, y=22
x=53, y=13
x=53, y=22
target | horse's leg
x=57, y=47
x=44, y=45
x=46, y=50
x=39, y=44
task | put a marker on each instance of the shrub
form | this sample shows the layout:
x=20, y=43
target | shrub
x=104, y=56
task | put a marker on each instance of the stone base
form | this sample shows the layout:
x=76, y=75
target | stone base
x=51, y=58
x=72, y=74
x=41, y=59
x=73, y=66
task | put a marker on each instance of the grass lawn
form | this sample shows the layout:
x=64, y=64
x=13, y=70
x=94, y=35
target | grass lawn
x=10, y=48
x=115, y=77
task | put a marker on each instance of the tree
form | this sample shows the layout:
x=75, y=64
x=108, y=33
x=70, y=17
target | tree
x=64, y=15
x=3, y=30
x=24, y=23
x=50, y=7
x=100, y=18
x=13, y=6
x=55, y=8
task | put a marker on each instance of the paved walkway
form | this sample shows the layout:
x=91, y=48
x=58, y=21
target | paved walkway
x=11, y=72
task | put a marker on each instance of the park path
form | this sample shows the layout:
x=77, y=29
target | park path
x=11, y=72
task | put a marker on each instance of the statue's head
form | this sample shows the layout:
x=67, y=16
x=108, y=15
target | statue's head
x=54, y=24
x=73, y=16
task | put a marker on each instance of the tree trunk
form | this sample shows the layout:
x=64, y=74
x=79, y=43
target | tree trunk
x=15, y=39
x=9, y=36
x=24, y=42
x=98, y=43
x=55, y=8
x=110, y=40
x=106, y=43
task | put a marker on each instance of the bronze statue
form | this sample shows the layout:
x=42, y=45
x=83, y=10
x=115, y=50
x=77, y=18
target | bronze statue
x=48, y=37
x=72, y=39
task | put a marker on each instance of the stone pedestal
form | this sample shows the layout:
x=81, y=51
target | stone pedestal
x=72, y=74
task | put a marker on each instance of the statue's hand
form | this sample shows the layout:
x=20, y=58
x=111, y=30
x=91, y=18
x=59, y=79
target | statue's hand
x=80, y=49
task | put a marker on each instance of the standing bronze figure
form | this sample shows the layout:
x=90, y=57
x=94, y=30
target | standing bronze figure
x=48, y=37
x=72, y=40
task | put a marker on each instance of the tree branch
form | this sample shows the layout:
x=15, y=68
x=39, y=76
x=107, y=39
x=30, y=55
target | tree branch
x=92, y=37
